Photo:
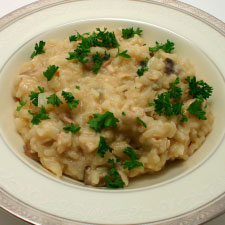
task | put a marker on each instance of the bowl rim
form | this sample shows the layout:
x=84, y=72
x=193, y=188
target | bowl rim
x=28, y=213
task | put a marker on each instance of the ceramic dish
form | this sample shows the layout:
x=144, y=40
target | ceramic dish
x=191, y=192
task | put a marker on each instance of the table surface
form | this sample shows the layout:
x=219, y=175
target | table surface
x=215, y=8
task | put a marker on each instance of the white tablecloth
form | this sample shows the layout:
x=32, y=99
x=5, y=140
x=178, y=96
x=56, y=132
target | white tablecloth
x=214, y=7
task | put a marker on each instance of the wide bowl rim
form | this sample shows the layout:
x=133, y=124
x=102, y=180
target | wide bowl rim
x=26, y=212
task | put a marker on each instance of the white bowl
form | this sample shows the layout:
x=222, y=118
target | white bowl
x=177, y=193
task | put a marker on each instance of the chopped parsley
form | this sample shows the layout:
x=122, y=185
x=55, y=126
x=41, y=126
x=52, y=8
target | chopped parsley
x=101, y=121
x=77, y=37
x=70, y=100
x=54, y=100
x=106, y=56
x=51, y=70
x=199, y=88
x=38, y=49
x=143, y=67
x=123, y=114
x=175, y=92
x=22, y=104
x=130, y=32
x=42, y=115
x=196, y=109
x=103, y=147
x=72, y=128
x=141, y=121
x=77, y=87
x=113, y=179
x=132, y=163
x=34, y=96
x=123, y=54
x=97, y=62
x=99, y=38
x=164, y=105
x=168, y=47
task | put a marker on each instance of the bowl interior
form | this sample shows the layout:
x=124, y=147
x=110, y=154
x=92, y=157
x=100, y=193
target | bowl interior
x=204, y=67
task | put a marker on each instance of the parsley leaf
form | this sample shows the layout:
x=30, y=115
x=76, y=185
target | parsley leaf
x=97, y=62
x=141, y=121
x=196, y=109
x=123, y=113
x=168, y=47
x=199, y=88
x=51, y=70
x=130, y=32
x=38, y=49
x=22, y=103
x=77, y=87
x=77, y=37
x=175, y=92
x=184, y=118
x=143, y=68
x=106, y=56
x=72, y=128
x=123, y=54
x=103, y=147
x=34, y=96
x=54, y=100
x=101, y=121
x=42, y=115
x=132, y=163
x=70, y=100
x=113, y=179
x=100, y=38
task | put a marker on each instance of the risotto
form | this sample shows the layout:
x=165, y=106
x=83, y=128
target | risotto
x=103, y=107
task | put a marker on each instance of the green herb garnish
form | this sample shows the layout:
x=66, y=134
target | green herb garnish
x=123, y=54
x=143, y=67
x=22, y=103
x=141, y=121
x=51, y=70
x=132, y=163
x=196, y=109
x=199, y=88
x=97, y=62
x=101, y=121
x=103, y=147
x=72, y=128
x=123, y=113
x=77, y=87
x=168, y=47
x=34, y=96
x=130, y=32
x=42, y=115
x=70, y=100
x=113, y=179
x=54, y=100
x=175, y=92
x=39, y=49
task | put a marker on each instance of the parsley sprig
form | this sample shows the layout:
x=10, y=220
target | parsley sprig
x=42, y=115
x=50, y=71
x=72, y=128
x=132, y=163
x=168, y=47
x=97, y=62
x=113, y=179
x=103, y=147
x=22, y=104
x=38, y=49
x=122, y=54
x=70, y=100
x=130, y=32
x=196, y=109
x=101, y=121
x=143, y=67
x=34, y=95
x=199, y=88
x=54, y=100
